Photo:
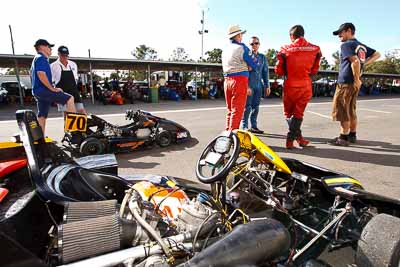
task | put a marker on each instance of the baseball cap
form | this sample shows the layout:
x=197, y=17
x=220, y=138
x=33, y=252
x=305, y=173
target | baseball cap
x=43, y=42
x=344, y=27
x=63, y=50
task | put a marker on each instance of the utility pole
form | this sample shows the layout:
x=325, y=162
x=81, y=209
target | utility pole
x=21, y=94
x=202, y=32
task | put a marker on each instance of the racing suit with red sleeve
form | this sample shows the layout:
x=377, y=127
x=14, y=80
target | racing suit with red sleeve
x=297, y=61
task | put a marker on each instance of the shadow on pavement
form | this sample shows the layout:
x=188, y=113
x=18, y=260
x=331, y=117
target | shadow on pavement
x=346, y=153
x=127, y=160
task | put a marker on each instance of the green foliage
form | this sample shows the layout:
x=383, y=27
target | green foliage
x=336, y=57
x=214, y=56
x=390, y=64
x=144, y=52
x=271, y=56
x=324, y=64
x=179, y=54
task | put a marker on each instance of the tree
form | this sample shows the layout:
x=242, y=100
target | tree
x=336, y=57
x=390, y=64
x=271, y=56
x=179, y=54
x=324, y=64
x=144, y=52
x=214, y=56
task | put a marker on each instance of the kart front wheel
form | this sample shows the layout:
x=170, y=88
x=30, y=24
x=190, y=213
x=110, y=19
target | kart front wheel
x=164, y=138
x=91, y=146
x=379, y=244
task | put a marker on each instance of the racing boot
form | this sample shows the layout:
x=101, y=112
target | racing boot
x=299, y=137
x=291, y=135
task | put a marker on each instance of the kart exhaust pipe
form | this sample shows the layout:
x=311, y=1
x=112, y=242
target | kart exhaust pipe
x=247, y=245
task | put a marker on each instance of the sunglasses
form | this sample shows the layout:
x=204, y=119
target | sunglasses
x=255, y=43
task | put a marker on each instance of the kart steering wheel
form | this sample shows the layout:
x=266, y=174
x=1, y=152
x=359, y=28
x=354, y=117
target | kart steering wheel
x=218, y=158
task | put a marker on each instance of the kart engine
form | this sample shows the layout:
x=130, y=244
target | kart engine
x=94, y=228
x=152, y=226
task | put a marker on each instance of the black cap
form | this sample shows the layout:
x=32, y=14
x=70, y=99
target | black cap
x=43, y=42
x=344, y=27
x=63, y=50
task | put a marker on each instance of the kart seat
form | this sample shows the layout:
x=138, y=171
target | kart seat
x=66, y=182
x=77, y=183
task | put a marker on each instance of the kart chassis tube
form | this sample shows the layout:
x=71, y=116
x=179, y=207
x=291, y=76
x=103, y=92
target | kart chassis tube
x=115, y=258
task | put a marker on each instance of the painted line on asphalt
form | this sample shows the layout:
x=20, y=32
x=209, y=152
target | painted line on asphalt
x=210, y=109
x=374, y=110
x=319, y=114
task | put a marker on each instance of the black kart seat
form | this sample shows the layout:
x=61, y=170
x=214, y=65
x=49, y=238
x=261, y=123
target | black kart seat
x=75, y=182
x=65, y=182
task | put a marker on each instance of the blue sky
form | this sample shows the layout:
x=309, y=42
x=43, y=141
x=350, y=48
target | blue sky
x=115, y=28
x=377, y=22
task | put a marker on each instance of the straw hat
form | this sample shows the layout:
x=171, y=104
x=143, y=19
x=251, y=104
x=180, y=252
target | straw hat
x=234, y=30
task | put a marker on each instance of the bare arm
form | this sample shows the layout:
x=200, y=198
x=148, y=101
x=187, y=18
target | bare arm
x=356, y=68
x=43, y=78
x=372, y=58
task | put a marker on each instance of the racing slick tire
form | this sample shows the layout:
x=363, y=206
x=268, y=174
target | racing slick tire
x=164, y=138
x=91, y=146
x=379, y=244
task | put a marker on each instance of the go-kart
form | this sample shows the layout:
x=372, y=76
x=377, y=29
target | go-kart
x=92, y=135
x=260, y=210
x=321, y=209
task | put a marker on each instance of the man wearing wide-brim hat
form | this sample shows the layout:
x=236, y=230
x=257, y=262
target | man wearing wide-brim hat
x=236, y=63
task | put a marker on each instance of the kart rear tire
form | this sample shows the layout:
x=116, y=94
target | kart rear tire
x=379, y=244
x=91, y=146
x=164, y=138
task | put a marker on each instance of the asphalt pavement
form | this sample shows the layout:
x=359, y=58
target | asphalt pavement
x=374, y=160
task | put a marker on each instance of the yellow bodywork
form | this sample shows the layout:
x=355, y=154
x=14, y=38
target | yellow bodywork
x=249, y=142
x=4, y=145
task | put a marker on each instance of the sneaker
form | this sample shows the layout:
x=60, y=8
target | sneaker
x=352, y=139
x=256, y=131
x=289, y=144
x=337, y=141
x=302, y=141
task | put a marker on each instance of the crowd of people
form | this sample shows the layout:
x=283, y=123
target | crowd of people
x=245, y=78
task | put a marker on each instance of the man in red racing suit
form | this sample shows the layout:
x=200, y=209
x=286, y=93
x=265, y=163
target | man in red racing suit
x=297, y=61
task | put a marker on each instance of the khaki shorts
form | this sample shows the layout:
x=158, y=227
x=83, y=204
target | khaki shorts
x=344, y=102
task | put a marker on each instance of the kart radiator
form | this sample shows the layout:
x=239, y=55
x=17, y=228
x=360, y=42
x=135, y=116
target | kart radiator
x=79, y=211
x=82, y=239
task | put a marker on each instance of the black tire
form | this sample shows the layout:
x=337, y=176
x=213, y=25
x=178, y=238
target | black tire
x=379, y=244
x=91, y=146
x=164, y=138
x=222, y=172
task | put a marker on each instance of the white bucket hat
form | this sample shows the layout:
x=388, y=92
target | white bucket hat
x=234, y=30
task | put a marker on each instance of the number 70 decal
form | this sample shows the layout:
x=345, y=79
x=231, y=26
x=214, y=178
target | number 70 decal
x=75, y=122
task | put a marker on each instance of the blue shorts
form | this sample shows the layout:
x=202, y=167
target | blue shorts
x=46, y=98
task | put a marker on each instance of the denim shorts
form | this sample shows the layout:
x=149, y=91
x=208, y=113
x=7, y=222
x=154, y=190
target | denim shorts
x=46, y=98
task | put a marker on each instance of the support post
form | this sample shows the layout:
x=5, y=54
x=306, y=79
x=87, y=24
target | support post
x=21, y=94
x=91, y=78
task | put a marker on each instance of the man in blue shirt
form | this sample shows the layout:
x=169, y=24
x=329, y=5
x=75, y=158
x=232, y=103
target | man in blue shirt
x=258, y=81
x=44, y=92
x=353, y=57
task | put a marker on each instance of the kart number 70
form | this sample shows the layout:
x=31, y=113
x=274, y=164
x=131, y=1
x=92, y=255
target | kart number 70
x=75, y=122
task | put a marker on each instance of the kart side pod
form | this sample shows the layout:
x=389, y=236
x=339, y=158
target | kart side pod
x=247, y=245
